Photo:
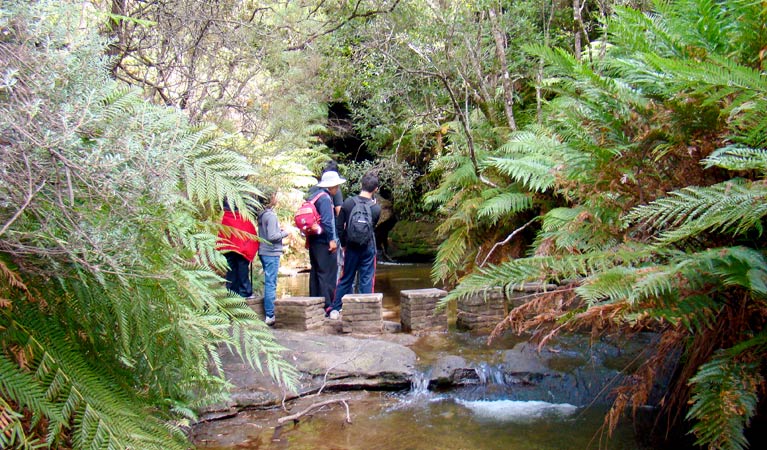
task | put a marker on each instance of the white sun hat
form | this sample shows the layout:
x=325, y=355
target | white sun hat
x=330, y=179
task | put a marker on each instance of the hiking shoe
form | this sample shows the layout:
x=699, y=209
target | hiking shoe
x=334, y=315
x=269, y=320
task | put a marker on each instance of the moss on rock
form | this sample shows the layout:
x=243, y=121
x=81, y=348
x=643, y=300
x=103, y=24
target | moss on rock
x=413, y=241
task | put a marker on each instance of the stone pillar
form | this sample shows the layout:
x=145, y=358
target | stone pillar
x=523, y=294
x=418, y=310
x=256, y=303
x=299, y=313
x=482, y=311
x=363, y=313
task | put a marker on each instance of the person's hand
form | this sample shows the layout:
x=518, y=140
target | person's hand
x=332, y=246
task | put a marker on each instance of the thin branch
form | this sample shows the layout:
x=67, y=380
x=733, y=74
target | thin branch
x=508, y=238
x=354, y=15
x=30, y=194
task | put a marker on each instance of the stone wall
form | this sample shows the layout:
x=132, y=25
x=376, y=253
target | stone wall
x=299, y=313
x=418, y=310
x=363, y=313
x=481, y=312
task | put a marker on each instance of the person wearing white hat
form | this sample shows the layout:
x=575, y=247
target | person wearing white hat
x=323, y=246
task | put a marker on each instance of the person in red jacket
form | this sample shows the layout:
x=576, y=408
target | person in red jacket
x=239, y=249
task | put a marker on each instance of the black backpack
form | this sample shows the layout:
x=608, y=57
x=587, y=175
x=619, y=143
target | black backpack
x=359, y=227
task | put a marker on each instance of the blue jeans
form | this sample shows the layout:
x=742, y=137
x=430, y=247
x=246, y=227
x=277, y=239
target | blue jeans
x=357, y=260
x=271, y=265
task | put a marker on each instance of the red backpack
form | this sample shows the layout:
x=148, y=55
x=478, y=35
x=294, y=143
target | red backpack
x=307, y=217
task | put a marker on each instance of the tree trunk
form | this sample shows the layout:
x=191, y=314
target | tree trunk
x=578, y=28
x=508, y=85
x=546, y=25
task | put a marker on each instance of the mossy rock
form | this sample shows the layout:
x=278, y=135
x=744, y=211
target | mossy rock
x=413, y=241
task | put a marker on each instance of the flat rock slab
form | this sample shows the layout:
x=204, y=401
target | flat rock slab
x=330, y=362
x=345, y=356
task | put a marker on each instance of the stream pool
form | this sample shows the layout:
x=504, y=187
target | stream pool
x=421, y=419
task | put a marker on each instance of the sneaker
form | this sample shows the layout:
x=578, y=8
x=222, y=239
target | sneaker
x=269, y=320
x=334, y=314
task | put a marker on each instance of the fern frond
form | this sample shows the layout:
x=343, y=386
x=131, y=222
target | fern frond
x=450, y=255
x=504, y=204
x=615, y=284
x=578, y=230
x=548, y=269
x=733, y=207
x=736, y=157
x=12, y=434
x=20, y=387
x=535, y=172
x=724, y=399
x=635, y=31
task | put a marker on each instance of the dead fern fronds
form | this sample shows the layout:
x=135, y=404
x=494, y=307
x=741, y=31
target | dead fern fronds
x=11, y=277
x=540, y=313
x=637, y=388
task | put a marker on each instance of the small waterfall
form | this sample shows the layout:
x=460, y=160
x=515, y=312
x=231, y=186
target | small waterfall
x=488, y=374
x=420, y=384
x=418, y=395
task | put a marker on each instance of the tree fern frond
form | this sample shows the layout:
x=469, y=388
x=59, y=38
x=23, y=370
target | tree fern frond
x=20, y=387
x=635, y=31
x=534, y=142
x=549, y=269
x=576, y=230
x=450, y=254
x=724, y=399
x=732, y=266
x=533, y=172
x=611, y=285
x=12, y=434
x=504, y=204
x=736, y=157
x=717, y=73
x=732, y=207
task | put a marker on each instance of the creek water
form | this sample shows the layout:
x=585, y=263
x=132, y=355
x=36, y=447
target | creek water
x=481, y=417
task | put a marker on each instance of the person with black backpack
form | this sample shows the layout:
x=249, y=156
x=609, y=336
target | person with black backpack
x=356, y=226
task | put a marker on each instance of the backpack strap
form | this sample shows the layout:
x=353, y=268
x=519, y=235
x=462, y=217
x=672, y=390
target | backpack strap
x=314, y=199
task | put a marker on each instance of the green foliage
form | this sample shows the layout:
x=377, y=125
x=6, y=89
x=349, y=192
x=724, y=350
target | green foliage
x=651, y=160
x=112, y=316
x=725, y=398
x=396, y=178
x=499, y=203
x=733, y=207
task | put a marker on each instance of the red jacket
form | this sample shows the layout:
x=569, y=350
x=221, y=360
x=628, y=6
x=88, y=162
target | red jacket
x=229, y=242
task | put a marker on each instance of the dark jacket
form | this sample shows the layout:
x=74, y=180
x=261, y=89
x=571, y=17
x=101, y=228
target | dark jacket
x=346, y=212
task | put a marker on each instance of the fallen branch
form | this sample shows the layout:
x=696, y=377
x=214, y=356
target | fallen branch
x=295, y=417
